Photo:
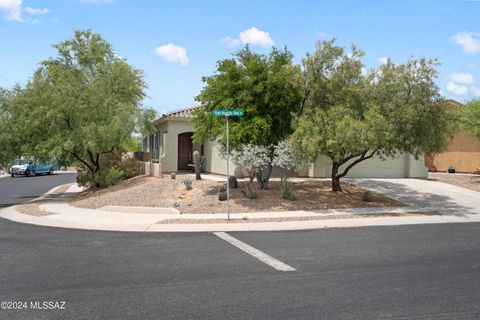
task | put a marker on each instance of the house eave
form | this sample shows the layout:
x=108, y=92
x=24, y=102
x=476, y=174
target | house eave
x=165, y=119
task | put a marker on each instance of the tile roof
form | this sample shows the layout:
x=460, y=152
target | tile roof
x=181, y=113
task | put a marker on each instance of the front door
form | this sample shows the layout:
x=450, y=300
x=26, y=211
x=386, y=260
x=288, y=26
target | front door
x=185, y=150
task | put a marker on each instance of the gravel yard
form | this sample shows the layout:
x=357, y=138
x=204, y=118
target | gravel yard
x=203, y=198
x=469, y=181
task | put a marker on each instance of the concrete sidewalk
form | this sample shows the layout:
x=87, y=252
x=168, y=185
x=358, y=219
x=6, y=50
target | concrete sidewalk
x=454, y=203
x=442, y=197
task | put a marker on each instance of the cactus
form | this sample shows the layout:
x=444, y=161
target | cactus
x=196, y=161
x=286, y=188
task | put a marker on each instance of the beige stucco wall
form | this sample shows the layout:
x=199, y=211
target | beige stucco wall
x=169, y=141
x=403, y=166
x=463, y=153
x=214, y=162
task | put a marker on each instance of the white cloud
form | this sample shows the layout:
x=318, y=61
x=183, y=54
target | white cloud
x=456, y=89
x=383, y=60
x=14, y=10
x=252, y=36
x=173, y=53
x=470, y=41
x=256, y=37
x=33, y=11
x=461, y=78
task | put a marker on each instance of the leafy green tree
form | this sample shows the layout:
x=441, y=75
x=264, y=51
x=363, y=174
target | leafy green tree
x=470, y=117
x=351, y=115
x=133, y=144
x=266, y=87
x=83, y=105
x=10, y=146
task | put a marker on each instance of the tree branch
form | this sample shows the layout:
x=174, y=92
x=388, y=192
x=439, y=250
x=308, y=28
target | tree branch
x=67, y=120
x=92, y=159
x=76, y=156
x=363, y=157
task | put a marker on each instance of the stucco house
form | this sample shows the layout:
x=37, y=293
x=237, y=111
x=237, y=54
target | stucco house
x=170, y=149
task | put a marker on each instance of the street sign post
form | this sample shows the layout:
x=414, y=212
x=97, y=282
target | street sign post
x=226, y=114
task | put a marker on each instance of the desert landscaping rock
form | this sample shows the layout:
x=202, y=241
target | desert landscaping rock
x=305, y=218
x=203, y=198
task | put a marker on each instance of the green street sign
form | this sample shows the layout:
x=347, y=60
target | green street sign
x=228, y=113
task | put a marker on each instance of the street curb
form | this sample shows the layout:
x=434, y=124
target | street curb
x=91, y=219
x=10, y=213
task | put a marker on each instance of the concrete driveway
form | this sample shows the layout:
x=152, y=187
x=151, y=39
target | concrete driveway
x=441, y=197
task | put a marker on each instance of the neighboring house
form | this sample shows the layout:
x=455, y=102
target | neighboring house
x=462, y=153
x=170, y=149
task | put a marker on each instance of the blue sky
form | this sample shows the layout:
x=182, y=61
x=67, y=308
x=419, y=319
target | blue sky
x=178, y=42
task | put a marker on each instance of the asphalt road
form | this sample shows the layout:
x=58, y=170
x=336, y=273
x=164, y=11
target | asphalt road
x=407, y=272
x=21, y=189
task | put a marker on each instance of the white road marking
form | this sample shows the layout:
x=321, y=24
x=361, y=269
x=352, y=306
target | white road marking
x=265, y=258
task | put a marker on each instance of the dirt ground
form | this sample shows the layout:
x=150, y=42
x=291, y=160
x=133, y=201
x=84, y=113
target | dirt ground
x=33, y=207
x=203, y=198
x=471, y=182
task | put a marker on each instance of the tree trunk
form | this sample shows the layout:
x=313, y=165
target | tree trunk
x=264, y=179
x=336, y=178
x=269, y=174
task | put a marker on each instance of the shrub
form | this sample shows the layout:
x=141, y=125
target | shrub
x=287, y=190
x=114, y=175
x=188, y=183
x=130, y=167
x=114, y=169
x=250, y=191
x=367, y=196
x=232, y=182
x=105, y=178
x=222, y=196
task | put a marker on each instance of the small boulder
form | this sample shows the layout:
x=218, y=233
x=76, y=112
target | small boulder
x=368, y=196
x=222, y=196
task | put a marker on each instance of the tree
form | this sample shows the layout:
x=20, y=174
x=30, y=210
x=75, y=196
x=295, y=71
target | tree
x=9, y=136
x=470, y=117
x=351, y=115
x=265, y=86
x=82, y=105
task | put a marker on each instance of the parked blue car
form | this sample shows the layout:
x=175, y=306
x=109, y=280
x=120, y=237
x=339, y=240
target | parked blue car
x=30, y=168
